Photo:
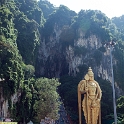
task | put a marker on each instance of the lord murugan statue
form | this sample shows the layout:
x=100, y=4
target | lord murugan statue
x=91, y=100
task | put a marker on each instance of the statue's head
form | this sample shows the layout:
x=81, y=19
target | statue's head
x=90, y=74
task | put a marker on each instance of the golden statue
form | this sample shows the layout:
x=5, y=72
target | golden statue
x=91, y=101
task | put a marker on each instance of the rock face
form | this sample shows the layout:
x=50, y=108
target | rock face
x=53, y=57
x=56, y=58
x=4, y=103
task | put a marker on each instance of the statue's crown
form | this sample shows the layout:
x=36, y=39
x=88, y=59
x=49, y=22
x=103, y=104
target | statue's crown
x=90, y=73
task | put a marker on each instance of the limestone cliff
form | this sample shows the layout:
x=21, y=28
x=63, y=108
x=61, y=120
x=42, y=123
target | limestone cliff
x=53, y=58
x=53, y=61
x=4, y=103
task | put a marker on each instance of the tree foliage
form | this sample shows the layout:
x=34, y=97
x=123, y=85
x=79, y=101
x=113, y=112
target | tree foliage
x=11, y=64
x=48, y=103
x=120, y=109
x=46, y=7
x=119, y=22
x=120, y=105
x=22, y=27
x=62, y=16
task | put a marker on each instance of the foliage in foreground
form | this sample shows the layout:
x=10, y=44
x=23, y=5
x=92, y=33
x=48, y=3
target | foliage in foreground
x=48, y=99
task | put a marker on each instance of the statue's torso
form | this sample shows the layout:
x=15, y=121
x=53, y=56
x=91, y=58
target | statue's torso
x=91, y=89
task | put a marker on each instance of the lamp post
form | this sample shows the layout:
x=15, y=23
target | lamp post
x=110, y=45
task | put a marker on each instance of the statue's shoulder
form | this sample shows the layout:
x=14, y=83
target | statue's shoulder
x=81, y=85
x=96, y=82
x=82, y=82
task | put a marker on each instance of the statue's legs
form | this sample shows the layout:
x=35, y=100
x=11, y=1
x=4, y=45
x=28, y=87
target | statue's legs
x=90, y=113
x=95, y=113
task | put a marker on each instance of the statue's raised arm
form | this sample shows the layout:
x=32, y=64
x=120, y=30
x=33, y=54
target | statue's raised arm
x=91, y=101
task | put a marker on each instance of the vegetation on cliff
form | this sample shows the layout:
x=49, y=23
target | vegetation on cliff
x=24, y=24
x=20, y=26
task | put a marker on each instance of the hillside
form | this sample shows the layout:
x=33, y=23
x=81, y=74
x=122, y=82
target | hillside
x=45, y=51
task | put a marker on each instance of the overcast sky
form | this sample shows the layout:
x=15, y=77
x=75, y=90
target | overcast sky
x=111, y=8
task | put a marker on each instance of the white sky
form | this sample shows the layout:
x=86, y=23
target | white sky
x=111, y=8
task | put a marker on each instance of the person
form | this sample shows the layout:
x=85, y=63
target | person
x=42, y=121
x=91, y=101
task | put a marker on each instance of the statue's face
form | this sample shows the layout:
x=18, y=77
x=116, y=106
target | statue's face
x=91, y=77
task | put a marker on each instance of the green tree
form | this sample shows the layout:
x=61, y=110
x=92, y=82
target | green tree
x=23, y=109
x=46, y=7
x=11, y=64
x=120, y=105
x=62, y=16
x=31, y=10
x=48, y=103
